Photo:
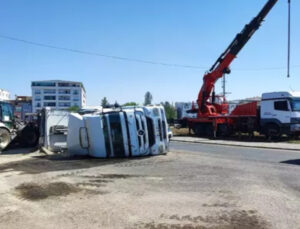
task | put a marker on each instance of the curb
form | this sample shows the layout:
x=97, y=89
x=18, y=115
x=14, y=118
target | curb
x=239, y=145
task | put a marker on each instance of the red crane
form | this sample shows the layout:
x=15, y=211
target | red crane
x=221, y=66
x=213, y=117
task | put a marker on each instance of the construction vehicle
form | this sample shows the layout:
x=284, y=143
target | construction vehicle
x=14, y=131
x=119, y=132
x=213, y=117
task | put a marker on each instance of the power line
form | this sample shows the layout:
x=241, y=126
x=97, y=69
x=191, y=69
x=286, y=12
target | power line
x=264, y=68
x=99, y=54
x=130, y=59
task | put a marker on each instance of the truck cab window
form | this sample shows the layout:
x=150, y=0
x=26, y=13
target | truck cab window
x=6, y=112
x=295, y=104
x=116, y=134
x=281, y=106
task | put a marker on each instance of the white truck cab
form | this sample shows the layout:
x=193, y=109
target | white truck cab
x=121, y=132
x=280, y=113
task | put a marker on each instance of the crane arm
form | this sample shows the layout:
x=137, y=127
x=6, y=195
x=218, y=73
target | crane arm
x=221, y=66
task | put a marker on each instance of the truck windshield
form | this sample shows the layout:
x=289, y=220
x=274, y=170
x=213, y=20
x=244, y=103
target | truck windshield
x=116, y=134
x=295, y=104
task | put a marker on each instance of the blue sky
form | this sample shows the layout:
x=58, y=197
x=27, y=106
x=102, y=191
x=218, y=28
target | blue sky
x=188, y=32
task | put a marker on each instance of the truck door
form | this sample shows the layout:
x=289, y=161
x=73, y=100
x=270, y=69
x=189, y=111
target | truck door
x=282, y=111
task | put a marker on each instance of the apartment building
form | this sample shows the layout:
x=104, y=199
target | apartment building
x=57, y=94
x=4, y=95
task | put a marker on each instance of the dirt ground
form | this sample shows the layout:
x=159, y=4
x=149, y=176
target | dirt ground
x=179, y=190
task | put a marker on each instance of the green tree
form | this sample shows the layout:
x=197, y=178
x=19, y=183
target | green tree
x=170, y=111
x=148, y=98
x=130, y=104
x=74, y=109
x=104, y=102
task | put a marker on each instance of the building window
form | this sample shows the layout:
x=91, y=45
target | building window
x=38, y=105
x=49, y=91
x=37, y=92
x=63, y=84
x=49, y=104
x=64, y=104
x=75, y=92
x=64, y=91
x=49, y=97
x=38, y=98
x=43, y=84
x=64, y=97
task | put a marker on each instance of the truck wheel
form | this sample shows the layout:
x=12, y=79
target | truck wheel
x=29, y=137
x=196, y=130
x=273, y=131
x=210, y=131
x=4, y=138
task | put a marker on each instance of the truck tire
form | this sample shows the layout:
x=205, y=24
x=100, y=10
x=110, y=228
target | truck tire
x=210, y=131
x=29, y=137
x=196, y=130
x=4, y=138
x=272, y=131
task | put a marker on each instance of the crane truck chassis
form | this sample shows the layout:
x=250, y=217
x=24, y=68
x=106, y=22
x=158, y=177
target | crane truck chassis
x=278, y=112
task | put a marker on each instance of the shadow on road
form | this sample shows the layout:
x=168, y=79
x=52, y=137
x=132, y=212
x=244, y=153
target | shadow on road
x=291, y=162
x=48, y=163
x=12, y=151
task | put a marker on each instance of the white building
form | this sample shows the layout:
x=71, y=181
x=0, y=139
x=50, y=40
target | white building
x=4, y=95
x=57, y=94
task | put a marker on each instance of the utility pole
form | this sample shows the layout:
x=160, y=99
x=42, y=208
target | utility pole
x=224, y=85
x=289, y=39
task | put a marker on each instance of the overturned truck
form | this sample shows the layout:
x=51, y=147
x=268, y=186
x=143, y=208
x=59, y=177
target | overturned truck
x=119, y=132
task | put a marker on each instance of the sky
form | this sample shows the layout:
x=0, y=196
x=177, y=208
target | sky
x=184, y=32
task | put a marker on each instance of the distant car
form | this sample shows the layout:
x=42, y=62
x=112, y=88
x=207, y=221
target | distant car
x=170, y=133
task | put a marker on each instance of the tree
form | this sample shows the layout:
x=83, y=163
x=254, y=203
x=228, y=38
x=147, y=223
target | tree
x=104, y=102
x=148, y=98
x=74, y=109
x=130, y=104
x=170, y=111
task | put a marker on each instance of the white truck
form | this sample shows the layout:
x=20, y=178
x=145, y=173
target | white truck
x=119, y=132
x=276, y=114
x=280, y=113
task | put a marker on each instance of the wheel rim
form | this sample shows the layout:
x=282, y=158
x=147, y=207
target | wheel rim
x=4, y=140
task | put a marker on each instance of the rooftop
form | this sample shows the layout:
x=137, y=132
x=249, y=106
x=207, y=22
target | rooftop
x=58, y=81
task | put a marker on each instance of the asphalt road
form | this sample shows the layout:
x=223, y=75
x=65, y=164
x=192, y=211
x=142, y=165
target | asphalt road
x=193, y=186
x=241, y=153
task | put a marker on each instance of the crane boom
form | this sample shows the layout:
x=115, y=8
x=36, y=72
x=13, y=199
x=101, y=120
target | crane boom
x=221, y=66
